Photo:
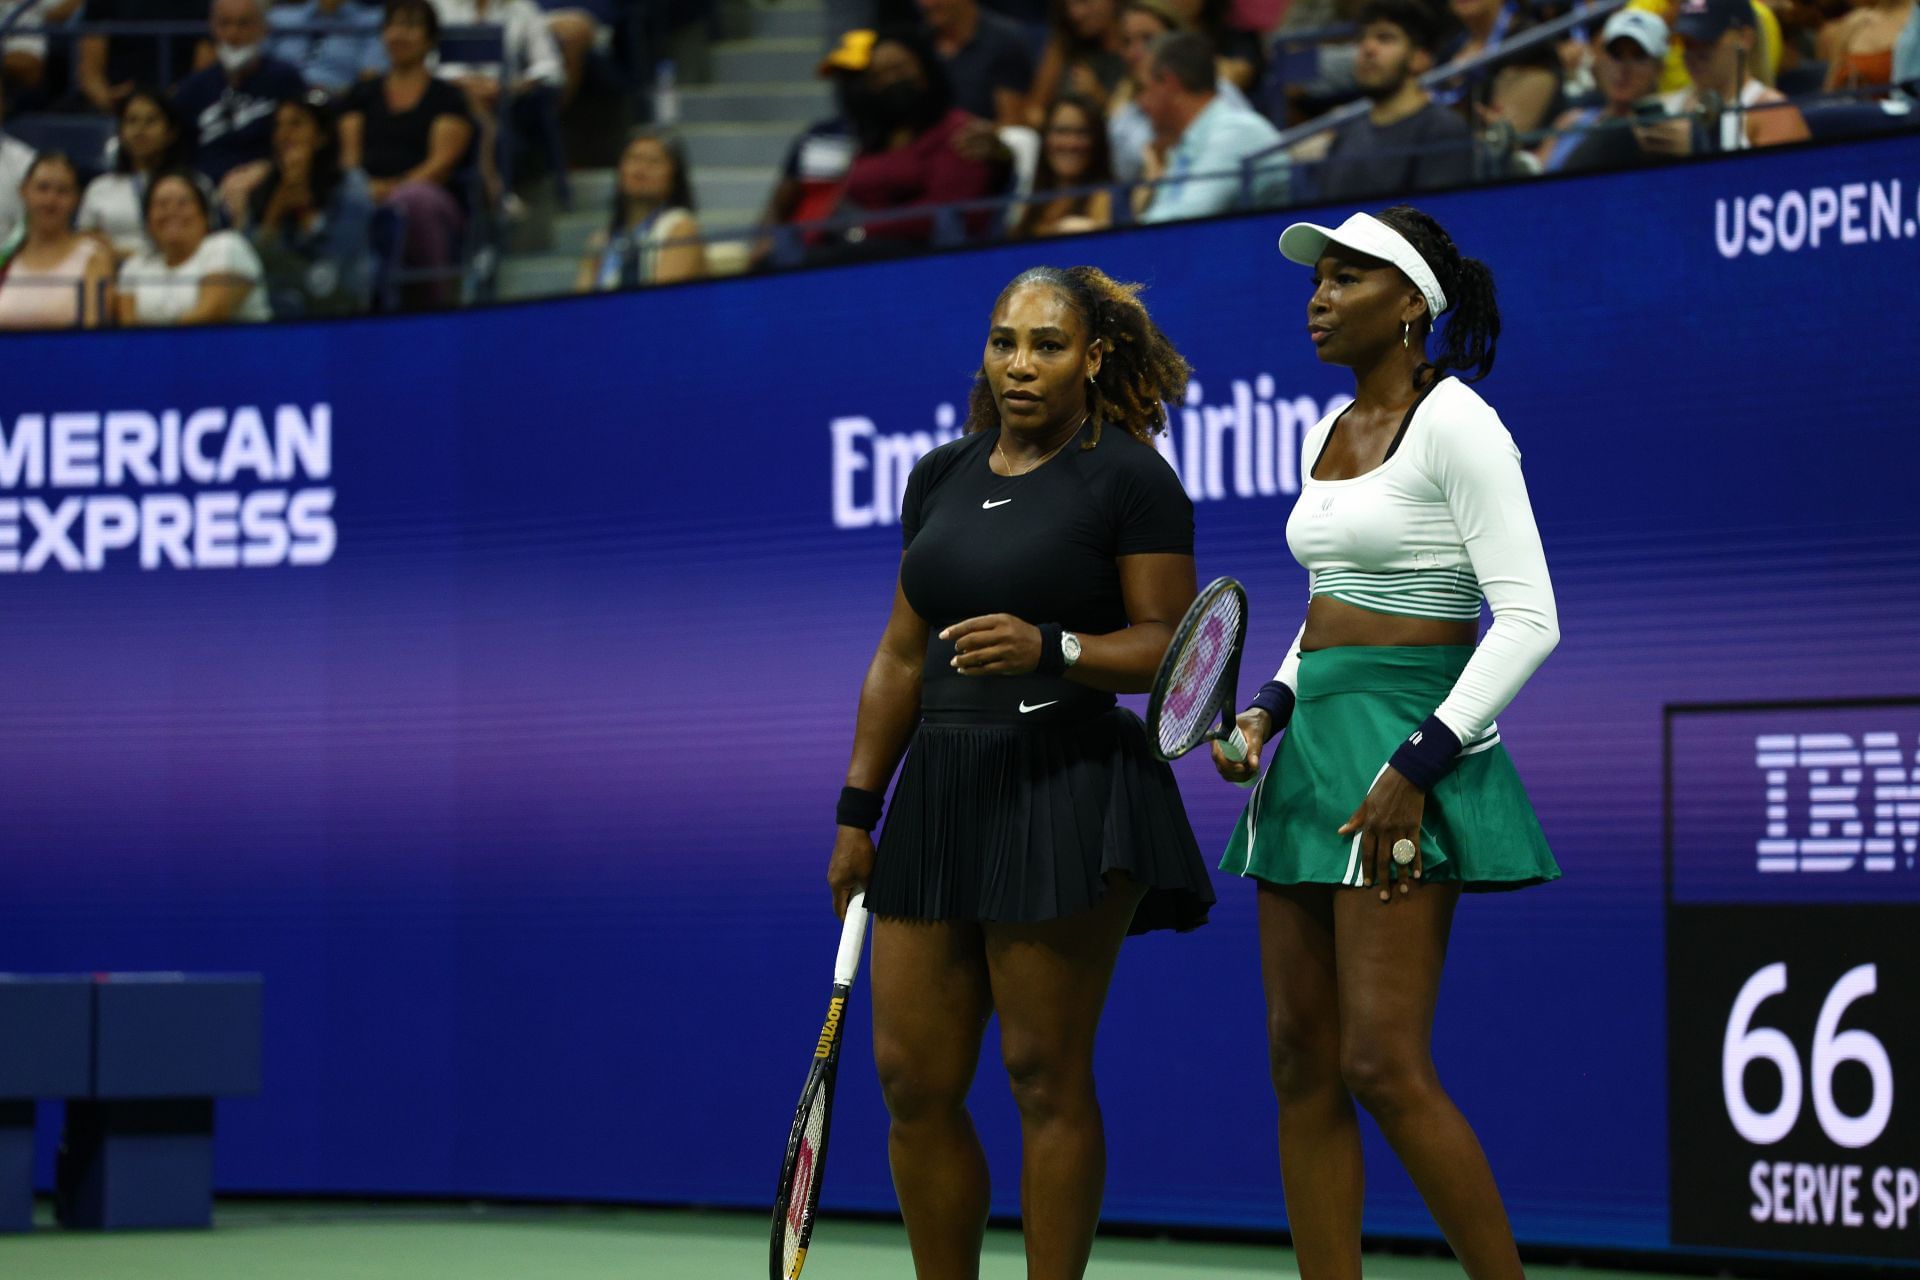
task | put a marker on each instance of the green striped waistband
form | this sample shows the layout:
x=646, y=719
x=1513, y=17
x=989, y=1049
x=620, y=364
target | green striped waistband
x=1414, y=593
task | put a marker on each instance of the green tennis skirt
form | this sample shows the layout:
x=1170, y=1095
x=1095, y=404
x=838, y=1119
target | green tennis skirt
x=1357, y=704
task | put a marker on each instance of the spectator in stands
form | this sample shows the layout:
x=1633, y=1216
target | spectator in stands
x=15, y=158
x=576, y=28
x=58, y=278
x=986, y=56
x=346, y=52
x=110, y=66
x=532, y=56
x=532, y=65
x=1083, y=56
x=1405, y=142
x=1764, y=62
x=1523, y=90
x=815, y=169
x=1205, y=138
x=192, y=274
x=1633, y=48
x=151, y=138
x=1074, y=152
x=916, y=148
x=23, y=57
x=230, y=103
x=651, y=238
x=1861, y=45
x=1129, y=132
x=309, y=219
x=411, y=134
x=1717, y=39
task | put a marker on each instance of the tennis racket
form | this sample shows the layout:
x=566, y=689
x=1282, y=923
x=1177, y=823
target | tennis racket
x=799, y=1193
x=1199, y=677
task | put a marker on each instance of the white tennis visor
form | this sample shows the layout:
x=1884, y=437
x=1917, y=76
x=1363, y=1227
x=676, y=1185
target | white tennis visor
x=1306, y=242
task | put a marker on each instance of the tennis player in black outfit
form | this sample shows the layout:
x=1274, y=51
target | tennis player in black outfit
x=1049, y=556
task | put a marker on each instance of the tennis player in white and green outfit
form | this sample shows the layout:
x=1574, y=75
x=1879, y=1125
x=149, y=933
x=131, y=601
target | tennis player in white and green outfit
x=1389, y=792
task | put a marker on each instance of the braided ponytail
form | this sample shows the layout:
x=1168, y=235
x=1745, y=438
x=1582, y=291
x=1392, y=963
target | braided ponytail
x=1140, y=372
x=1473, y=316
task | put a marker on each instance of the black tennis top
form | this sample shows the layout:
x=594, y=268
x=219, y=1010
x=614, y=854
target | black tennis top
x=1042, y=546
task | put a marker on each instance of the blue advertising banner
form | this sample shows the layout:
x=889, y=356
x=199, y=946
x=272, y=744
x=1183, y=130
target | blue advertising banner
x=485, y=680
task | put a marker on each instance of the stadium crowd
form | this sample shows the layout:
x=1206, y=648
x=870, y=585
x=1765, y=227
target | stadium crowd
x=325, y=157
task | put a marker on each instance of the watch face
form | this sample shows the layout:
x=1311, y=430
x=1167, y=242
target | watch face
x=1070, y=647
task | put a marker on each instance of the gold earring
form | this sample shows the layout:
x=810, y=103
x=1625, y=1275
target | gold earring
x=1406, y=334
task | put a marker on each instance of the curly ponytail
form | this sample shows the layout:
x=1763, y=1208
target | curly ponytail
x=1473, y=316
x=1139, y=374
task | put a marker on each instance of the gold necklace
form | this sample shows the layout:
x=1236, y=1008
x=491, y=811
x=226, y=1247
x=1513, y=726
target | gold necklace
x=1007, y=462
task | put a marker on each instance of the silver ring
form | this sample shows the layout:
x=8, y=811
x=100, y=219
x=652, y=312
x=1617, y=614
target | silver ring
x=1403, y=853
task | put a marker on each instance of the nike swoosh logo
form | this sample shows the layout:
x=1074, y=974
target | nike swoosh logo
x=988, y=506
x=1024, y=708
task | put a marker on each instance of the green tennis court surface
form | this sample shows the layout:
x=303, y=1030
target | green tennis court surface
x=296, y=1241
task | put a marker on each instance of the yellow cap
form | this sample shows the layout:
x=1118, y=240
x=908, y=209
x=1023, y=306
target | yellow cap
x=853, y=53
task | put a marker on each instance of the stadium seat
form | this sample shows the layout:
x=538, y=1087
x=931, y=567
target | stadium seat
x=1852, y=119
x=85, y=138
x=1801, y=81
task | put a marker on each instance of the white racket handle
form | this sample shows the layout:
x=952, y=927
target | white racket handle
x=1235, y=749
x=853, y=937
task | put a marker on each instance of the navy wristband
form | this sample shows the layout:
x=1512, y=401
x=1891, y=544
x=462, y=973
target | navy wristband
x=1427, y=755
x=1277, y=701
x=1052, y=661
x=859, y=807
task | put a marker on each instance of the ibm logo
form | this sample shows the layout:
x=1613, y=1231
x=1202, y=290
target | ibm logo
x=1855, y=802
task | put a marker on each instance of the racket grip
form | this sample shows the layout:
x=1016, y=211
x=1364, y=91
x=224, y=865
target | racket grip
x=853, y=936
x=1235, y=748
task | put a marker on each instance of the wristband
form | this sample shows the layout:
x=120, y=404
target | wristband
x=1427, y=755
x=1052, y=661
x=859, y=807
x=1277, y=701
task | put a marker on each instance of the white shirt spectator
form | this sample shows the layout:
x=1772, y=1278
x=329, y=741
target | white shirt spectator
x=532, y=53
x=15, y=158
x=1203, y=168
x=162, y=294
x=27, y=13
x=111, y=206
x=1733, y=134
x=1130, y=133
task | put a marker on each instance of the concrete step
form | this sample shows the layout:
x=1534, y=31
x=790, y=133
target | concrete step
x=593, y=189
x=551, y=275
x=790, y=21
x=737, y=145
x=720, y=189
x=572, y=231
x=545, y=275
x=798, y=103
x=739, y=62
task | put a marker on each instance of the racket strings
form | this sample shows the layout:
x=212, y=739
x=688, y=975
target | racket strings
x=800, y=1190
x=1187, y=711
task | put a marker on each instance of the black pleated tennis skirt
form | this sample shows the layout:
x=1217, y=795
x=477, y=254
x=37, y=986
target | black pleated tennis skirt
x=1014, y=824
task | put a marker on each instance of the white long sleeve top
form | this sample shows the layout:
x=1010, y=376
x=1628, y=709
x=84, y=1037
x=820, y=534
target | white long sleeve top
x=1442, y=524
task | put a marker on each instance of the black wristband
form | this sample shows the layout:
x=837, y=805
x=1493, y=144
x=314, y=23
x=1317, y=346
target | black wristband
x=859, y=807
x=1277, y=701
x=1427, y=755
x=1052, y=661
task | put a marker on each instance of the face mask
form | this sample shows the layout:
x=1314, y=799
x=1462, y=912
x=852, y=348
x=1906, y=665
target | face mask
x=236, y=57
